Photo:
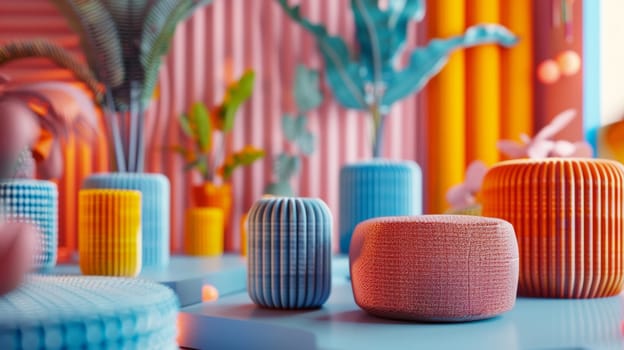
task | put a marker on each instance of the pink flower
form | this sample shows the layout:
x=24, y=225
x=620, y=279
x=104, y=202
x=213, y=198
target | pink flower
x=541, y=146
x=464, y=195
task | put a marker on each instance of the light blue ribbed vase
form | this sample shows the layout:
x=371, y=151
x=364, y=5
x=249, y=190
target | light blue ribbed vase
x=155, y=200
x=289, y=253
x=377, y=188
x=70, y=312
x=34, y=201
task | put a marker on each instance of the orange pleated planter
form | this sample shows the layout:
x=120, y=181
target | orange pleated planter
x=568, y=218
x=109, y=229
x=203, y=232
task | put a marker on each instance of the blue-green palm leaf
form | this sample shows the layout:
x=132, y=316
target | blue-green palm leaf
x=371, y=81
x=158, y=30
x=428, y=61
x=342, y=73
x=125, y=40
x=98, y=36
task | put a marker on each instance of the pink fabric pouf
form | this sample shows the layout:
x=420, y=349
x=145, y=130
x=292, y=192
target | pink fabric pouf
x=434, y=268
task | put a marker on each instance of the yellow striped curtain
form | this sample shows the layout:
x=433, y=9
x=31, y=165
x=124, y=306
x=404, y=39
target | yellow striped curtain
x=482, y=95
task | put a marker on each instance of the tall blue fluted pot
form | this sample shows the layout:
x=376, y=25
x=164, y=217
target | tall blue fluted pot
x=155, y=201
x=377, y=188
x=34, y=201
x=289, y=253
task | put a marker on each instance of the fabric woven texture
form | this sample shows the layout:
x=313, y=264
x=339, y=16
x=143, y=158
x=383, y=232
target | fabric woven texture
x=203, y=231
x=434, y=268
x=289, y=253
x=155, y=199
x=34, y=201
x=377, y=188
x=53, y=312
x=109, y=231
x=568, y=217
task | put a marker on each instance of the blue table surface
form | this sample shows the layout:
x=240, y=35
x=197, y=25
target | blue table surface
x=186, y=275
x=234, y=322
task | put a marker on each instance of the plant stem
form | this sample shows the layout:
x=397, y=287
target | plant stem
x=111, y=117
x=377, y=132
x=123, y=131
x=141, y=138
x=132, y=115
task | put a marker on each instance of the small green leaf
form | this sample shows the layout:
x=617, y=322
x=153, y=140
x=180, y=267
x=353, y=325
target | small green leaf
x=186, y=126
x=306, y=143
x=281, y=188
x=243, y=157
x=202, y=167
x=307, y=93
x=200, y=121
x=286, y=166
x=235, y=96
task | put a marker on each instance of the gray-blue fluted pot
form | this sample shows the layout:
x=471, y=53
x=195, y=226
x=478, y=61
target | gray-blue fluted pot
x=289, y=253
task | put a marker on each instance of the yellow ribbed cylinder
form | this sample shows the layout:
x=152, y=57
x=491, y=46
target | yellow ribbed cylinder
x=203, y=231
x=109, y=232
x=482, y=87
x=446, y=102
x=517, y=71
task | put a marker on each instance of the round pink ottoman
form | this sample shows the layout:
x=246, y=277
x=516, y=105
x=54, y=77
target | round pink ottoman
x=434, y=268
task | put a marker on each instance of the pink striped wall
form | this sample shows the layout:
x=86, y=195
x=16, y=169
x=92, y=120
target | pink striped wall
x=217, y=44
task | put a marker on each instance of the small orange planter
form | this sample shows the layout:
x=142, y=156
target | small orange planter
x=568, y=218
x=208, y=194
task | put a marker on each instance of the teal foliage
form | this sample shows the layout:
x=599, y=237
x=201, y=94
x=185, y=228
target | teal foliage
x=307, y=97
x=372, y=80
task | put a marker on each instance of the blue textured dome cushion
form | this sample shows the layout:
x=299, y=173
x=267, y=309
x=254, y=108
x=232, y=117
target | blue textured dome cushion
x=155, y=200
x=53, y=312
x=377, y=188
x=34, y=201
x=289, y=253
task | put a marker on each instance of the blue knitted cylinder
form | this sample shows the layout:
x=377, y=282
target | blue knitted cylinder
x=377, y=188
x=34, y=201
x=155, y=200
x=289, y=253
x=58, y=312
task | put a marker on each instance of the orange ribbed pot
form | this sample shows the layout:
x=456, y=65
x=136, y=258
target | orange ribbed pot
x=568, y=218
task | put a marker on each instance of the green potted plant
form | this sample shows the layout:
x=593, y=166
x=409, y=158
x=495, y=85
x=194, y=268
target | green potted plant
x=372, y=83
x=206, y=154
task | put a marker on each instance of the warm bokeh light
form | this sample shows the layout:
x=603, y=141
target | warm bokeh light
x=209, y=293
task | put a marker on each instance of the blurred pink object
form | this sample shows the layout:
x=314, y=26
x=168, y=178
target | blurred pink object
x=37, y=117
x=465, y=195
x=434, y=268
x=541, y=146
x=17, y=251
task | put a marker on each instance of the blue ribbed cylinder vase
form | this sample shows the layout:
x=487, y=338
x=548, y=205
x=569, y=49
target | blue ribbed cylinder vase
x=289, y=253
x=34, y=201
x=155, y=200
x=377, y=188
